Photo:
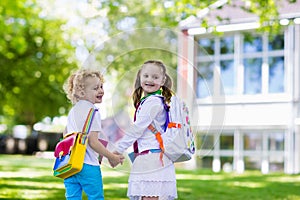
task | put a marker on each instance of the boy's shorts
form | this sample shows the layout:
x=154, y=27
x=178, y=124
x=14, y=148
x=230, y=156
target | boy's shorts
x=89, y=179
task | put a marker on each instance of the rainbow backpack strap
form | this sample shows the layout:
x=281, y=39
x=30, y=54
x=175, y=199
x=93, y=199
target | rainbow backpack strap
x=87, y=124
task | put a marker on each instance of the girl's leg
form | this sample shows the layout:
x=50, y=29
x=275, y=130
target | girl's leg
x=73, y=188
x=91, y=181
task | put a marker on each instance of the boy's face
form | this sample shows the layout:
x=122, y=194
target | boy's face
x=93, y=90
x=152, y=78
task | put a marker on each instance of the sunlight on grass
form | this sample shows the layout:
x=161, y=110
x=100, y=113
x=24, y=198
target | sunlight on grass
x=291, y=179
x=109, y=172
x=21, y=173
x=198, y=177
x=115, y=185
x=249, y=184
x=181, y=189
x=26, y=193
x=33, y=184
x=292, y=197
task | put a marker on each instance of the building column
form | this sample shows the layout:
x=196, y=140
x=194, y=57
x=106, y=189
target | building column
x=185, y=81
x=216, y=164
x=296, y=108
x=238, y=161
x=288, y=152
x=297, y=150
x=264, y=168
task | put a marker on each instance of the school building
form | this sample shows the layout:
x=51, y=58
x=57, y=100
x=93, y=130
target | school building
x=243, y=88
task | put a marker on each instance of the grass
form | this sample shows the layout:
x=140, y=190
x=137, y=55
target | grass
x=28, y=177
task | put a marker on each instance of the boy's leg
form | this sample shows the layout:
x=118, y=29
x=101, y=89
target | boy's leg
x=73, y=188
x=91, y=182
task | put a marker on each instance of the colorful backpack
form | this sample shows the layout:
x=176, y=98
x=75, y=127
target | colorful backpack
x=177, y=142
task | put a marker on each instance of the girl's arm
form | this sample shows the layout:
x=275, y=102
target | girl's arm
x=148, y=112
x=131, y=135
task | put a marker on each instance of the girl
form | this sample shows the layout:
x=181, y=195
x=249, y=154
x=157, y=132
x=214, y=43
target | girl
x=152, y=177
x=85, y=88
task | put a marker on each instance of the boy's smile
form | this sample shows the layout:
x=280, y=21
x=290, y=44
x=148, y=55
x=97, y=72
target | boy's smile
x=93, y=90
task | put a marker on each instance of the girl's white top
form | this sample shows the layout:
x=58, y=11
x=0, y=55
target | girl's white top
x=151, y=110
x=76, y=120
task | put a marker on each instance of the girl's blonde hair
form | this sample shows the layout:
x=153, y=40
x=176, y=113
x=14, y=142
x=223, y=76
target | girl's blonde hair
x=166, y=88
x=75, y=85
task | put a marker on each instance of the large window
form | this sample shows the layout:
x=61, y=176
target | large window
x=227, y=45
x=226, y=142
x=276, y=141
x=205, y=79
x=252, y=44
x=207, y=142
x=207, y=47
x=227, y=77
x=255, y=146
x=253, y=141
x=276, y=74
x=242, y=63
x=261, y=145
x=276, y=43
x=252, y=75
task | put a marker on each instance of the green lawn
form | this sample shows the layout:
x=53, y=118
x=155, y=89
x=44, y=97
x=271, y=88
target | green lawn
x=28, y=177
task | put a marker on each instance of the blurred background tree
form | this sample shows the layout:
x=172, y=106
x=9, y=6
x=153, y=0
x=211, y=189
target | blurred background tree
x=35, y=60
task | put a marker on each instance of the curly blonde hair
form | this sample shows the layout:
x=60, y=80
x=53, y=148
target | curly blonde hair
x=74, y=86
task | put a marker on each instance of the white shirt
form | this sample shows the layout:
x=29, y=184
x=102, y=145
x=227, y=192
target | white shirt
x=76, y=120
x=151, y=110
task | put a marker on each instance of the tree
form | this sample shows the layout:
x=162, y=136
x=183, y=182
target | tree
x=35, y=61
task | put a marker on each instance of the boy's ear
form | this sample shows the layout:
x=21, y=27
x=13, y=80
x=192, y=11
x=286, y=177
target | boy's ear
x=82, y=94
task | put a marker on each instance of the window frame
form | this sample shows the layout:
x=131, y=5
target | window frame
x=238, y=56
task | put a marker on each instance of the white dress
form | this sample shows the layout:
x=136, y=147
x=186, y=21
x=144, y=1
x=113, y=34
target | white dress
x=149, y=175
x=149, y=178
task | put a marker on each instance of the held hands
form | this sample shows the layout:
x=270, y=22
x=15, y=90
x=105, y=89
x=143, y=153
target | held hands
x=116, y=159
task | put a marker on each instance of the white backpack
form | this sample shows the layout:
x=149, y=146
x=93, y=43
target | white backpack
x=178, y=139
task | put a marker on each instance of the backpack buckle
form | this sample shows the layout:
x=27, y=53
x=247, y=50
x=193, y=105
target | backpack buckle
x=174, y=125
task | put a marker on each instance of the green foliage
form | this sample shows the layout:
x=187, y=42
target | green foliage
x=267, y=10
x=169, y=13
x=35, y=60
x=154, y=13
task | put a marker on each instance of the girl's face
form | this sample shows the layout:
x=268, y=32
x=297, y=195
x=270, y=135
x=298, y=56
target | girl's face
x=152, y=78
x=93, y=90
